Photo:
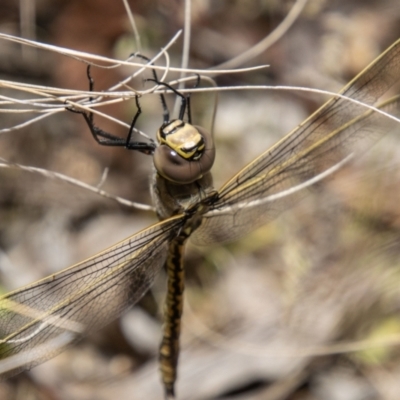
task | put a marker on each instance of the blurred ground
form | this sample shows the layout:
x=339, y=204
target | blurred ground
x=325, y=272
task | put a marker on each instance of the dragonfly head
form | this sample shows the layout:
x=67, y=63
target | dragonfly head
x=185, y=152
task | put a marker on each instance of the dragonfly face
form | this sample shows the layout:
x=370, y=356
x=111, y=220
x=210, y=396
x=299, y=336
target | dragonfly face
x=92, y=293
x=182, y=138
x=185, y=152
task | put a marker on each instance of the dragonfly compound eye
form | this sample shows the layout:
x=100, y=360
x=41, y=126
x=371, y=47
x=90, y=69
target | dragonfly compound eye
x=186, y=152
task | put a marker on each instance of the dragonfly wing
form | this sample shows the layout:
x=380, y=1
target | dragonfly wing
x=335, y=132
x=39, y=319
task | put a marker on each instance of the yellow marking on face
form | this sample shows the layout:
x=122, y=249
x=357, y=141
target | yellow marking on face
x=183, y=138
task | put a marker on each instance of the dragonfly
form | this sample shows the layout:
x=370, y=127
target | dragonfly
x=39, y=320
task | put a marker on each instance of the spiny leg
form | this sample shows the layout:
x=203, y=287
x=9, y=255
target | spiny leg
x=189, y=110
x=183, y=97
x=185, y=100
x=107, y=139
x=155, y=79
x=185, y=104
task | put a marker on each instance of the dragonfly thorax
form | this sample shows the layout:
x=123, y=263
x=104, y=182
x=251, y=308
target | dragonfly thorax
x=185, y=152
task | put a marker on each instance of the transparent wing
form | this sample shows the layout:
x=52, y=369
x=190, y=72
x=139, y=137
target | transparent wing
x=39, y=319
x=334, y=132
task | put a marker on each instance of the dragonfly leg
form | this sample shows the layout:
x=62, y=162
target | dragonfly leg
x=155, y=79
x=108, y=139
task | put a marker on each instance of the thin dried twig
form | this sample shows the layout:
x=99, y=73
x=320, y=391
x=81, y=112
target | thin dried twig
x=61, y=177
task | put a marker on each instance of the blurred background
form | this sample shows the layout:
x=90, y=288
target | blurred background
x=266, y=316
